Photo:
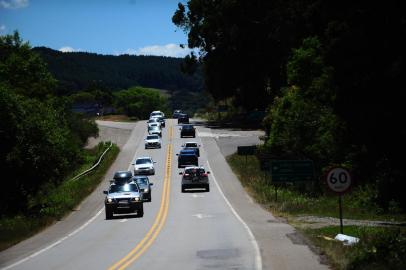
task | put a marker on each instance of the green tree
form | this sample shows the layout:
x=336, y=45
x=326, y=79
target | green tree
x=140, y=102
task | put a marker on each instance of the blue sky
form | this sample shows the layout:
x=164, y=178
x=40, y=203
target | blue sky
x=99, y=26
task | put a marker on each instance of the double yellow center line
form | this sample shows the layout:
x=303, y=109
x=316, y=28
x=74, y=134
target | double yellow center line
x=160, y=219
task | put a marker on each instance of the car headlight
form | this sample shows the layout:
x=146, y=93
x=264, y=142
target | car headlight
x=146, y=189
x=109, y=200
x=135, y=199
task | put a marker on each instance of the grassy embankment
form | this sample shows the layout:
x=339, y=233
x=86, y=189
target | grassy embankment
x=379, y=247
x=59, y=200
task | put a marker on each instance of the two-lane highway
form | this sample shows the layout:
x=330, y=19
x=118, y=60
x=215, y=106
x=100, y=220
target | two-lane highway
x=194, y=230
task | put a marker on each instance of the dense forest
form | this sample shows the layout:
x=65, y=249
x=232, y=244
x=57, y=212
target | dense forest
x=37, y=128
x=77, y=71
x=330, y=74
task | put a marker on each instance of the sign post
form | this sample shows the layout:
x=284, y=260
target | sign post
x=292, y=171
x=283, y=171
x=339, y=181
x=246, y=151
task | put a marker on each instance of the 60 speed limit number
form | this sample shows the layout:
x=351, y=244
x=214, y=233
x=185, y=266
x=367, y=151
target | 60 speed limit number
x=339, y=180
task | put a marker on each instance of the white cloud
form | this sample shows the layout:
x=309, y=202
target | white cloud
x=68, y=49
x=171, y=50
x=2, y=28
x=14, y=4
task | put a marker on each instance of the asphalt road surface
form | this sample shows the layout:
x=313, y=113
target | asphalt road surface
x=220, y=229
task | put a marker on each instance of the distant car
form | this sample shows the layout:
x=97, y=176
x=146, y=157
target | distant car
x=192, y=145
x=161, y=120
x=155, y=131
x=122, y=177
x=156, y=113
x=145, y=186
x=144, y=166
x=187, y=131
x=153, y=141
x=153, y=121
x=176, y=113
x=183, y=118
x=187, y=157
x=195, y=177
x=123, y=198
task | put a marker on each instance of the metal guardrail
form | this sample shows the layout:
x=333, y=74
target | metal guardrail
x=95, y=165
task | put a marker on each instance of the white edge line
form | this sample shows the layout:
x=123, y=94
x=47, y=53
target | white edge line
x=258, y=259
x=55, y=243
x=63, y=238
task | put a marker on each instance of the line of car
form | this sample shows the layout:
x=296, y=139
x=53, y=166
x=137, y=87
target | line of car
x=129, y=190
x=193, y=176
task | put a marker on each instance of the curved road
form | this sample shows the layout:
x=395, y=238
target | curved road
x=199, y=230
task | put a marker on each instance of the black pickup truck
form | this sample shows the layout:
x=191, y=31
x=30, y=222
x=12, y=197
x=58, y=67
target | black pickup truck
x=187, y=157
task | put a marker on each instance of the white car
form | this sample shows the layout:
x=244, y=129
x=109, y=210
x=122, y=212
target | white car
x=152, y=141
x=144, y=166
x=157, y=113
x=155, y=131
x=153, y=122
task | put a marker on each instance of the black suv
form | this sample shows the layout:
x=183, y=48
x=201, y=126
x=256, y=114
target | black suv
x=195, y=177
x=122, y=177
x=183, y=118
x=187, y=157
x=187, y=131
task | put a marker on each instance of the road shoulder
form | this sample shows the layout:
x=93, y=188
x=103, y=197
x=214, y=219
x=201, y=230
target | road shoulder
x=280, y=244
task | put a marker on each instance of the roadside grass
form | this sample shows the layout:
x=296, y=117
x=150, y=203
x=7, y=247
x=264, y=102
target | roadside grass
x=300, y=199
x=54, y=202
x=116, y=118
x=379, y=247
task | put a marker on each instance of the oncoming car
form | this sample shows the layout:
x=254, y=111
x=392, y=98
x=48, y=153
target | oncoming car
x=152, y=141
x=195, y=177
x=155, y=130
x=123, y=199
x=144, y=166
x=145, y=186
x=122, y=177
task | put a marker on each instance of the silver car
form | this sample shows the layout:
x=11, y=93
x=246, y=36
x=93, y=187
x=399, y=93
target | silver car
x=144, y=166
x=153, y=141
x=123, y=199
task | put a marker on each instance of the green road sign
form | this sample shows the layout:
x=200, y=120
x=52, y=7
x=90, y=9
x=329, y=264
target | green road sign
x=292, y=171
x=246, y=150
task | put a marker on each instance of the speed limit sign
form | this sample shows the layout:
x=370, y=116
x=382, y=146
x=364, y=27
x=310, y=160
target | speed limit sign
x=339, y=180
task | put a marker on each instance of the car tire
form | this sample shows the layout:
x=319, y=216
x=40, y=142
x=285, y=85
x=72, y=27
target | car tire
x=109, y=214
x=140, y=212
x=150, y=198
x=207, y=188
x=183, y=189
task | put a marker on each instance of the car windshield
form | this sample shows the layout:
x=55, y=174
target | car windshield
x=143, y=161
x=123, y=188
x=195, y=171
x=154, y=128
x=142, y=181
x=152, y=120
x=152, y=137
x=190, y=144
x=187, y=127
x=187, y=151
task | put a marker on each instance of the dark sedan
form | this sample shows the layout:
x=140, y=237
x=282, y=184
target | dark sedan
x=187, y=131
x=145, y=186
